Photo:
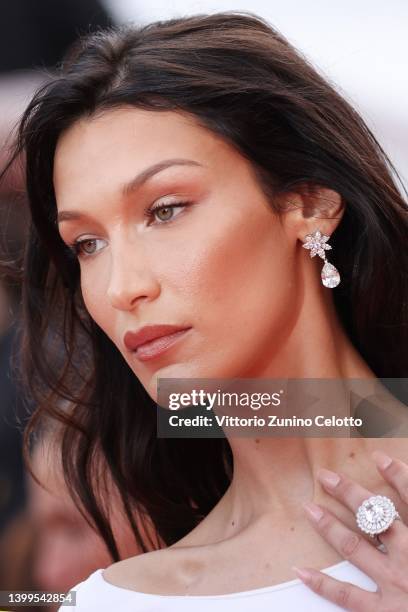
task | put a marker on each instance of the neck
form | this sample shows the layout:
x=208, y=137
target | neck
x=314, y=345
x=272, y=475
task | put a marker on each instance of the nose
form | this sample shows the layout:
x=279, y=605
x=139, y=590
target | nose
x=131, y=277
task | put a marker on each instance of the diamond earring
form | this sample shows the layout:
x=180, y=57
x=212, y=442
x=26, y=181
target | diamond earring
x=317, y=243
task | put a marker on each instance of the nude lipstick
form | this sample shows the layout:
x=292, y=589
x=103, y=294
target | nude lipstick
x=153, y=340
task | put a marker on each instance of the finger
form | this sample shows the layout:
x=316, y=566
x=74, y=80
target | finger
x=349, y=544
x=394, y=471
x=352, y=495
x=344, y=594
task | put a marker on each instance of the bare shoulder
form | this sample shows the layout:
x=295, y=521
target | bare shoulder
x=160, y=572
x=140, y=573
x=167, y=571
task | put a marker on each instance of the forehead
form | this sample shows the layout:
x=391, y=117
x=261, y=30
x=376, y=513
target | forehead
x=110, y=145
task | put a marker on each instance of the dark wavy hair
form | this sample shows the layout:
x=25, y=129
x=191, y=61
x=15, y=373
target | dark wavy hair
x=239, y=77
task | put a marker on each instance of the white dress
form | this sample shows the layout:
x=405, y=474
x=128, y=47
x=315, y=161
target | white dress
x=96, y=593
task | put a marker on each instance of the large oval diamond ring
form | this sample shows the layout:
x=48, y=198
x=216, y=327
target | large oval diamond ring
x=376, y=514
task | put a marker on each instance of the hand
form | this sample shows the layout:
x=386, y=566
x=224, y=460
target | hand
x=388, y=570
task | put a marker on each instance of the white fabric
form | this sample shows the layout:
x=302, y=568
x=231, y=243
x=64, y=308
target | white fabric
x=96, y=593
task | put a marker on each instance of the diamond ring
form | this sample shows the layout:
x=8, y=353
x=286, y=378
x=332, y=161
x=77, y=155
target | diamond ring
x=376, y=514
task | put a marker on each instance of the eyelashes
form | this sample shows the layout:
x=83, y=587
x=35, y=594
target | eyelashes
x=75, y=249
x=152, y=210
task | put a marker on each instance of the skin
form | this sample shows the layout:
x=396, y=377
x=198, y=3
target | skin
x=190, y=271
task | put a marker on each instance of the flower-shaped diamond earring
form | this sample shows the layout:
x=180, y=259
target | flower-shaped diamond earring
x=317, y=243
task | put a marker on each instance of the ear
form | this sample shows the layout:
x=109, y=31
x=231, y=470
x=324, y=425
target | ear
x=308, y=207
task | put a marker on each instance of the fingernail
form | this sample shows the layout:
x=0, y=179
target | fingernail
x=381, y=459
x=329, y=478
x=313, y=511
x=302, y=573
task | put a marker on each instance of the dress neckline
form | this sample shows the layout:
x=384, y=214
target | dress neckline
x=268, y=589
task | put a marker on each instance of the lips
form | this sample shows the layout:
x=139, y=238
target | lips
x=133, y=340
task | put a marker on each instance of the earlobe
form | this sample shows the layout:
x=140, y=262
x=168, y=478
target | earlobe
x=314, y=214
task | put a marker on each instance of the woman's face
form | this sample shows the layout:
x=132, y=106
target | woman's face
x=220, y=263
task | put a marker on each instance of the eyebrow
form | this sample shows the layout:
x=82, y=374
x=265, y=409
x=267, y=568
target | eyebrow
x=134, y=183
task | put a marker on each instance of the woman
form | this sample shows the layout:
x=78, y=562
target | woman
x=175, y=172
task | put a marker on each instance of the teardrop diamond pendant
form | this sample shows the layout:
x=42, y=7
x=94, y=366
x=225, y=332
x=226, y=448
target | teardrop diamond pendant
x=330, y=275
x=317, y=245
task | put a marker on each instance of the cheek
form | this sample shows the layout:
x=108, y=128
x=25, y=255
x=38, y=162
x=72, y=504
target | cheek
x=239, y=270
x=241, y=291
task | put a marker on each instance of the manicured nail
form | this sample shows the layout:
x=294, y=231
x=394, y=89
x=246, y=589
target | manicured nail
x=329, y=478
x=381, y=459
x=302, y=573
x=313, y=511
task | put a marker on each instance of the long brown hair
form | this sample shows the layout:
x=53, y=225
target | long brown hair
x=240, y=78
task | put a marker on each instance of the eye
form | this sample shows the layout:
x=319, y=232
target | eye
x=165, y=210
x=80, y=247
x=86, y=247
